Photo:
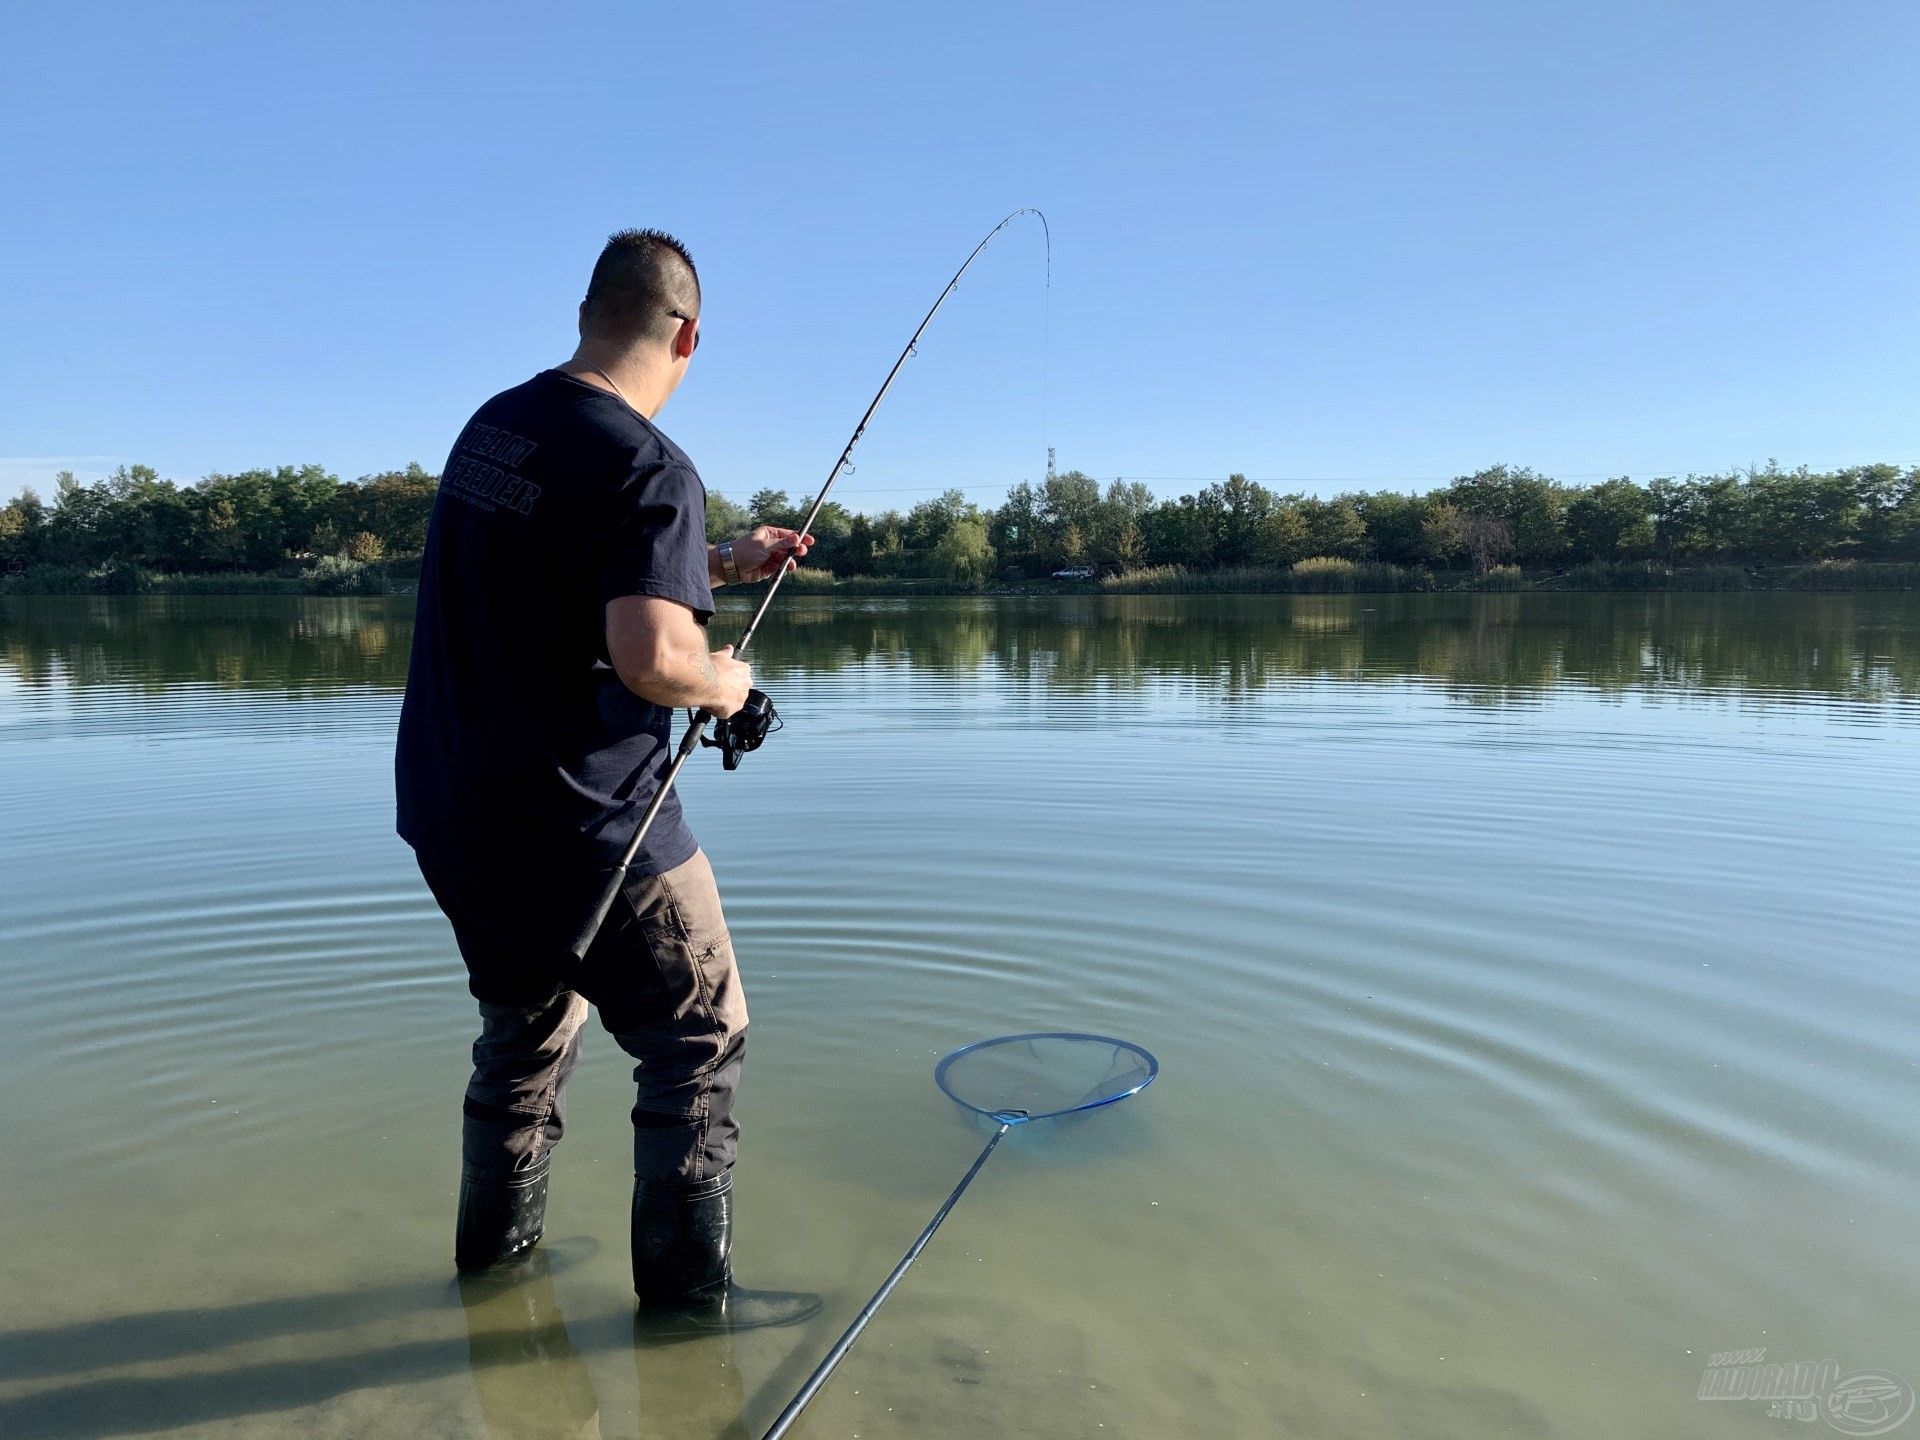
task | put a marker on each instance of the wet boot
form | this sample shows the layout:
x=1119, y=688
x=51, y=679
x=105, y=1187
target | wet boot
x=682, y=1266
x=502, y=1215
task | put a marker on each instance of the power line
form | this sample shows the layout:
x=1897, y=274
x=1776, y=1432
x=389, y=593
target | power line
x=1371, y=481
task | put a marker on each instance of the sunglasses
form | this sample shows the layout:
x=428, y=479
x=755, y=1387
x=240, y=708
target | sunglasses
x=682, y=315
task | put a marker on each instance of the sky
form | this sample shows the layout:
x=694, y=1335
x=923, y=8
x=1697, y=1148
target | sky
x=1327, y=246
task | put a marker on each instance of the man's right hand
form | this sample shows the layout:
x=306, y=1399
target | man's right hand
x=732, y=679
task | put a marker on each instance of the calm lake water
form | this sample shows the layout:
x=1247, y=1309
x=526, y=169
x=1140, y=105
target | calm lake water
x=1533, y=980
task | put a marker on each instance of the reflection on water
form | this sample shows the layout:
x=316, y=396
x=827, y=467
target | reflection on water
x=1487, y=648
x=530, y=1379
x=1532, y=978
x=533, y=1383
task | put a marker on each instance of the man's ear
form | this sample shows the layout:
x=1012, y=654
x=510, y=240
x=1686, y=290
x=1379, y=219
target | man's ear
x=686, y=338
x=581, y=322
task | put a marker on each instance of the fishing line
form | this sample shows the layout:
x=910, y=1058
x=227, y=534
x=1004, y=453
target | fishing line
x=1046, y=353
x=759, y=713
x=1012, y=1080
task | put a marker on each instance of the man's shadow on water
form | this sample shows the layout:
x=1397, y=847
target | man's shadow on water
x=529, y=1372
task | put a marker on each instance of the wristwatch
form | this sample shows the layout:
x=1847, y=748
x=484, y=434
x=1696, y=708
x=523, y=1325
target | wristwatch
x=729, y=571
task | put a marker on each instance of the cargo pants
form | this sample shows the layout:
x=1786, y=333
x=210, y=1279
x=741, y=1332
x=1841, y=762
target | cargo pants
x=662, y=976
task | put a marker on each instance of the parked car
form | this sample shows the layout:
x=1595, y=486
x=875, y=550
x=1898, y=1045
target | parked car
x=1074, y=572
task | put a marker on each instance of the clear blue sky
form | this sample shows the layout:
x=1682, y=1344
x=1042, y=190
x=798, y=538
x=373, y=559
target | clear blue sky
x=1356, y=243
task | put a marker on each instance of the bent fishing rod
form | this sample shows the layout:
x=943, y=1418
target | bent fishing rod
x=759, y=712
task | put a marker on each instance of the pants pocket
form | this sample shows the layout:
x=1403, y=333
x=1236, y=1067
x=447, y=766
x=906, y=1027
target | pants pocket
x=688, y=934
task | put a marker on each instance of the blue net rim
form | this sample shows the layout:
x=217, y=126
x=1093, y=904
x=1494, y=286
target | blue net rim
x=1020, y=1117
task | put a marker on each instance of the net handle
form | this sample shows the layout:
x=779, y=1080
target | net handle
x=826, y=1367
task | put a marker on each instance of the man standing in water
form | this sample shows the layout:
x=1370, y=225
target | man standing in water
x=563, y=602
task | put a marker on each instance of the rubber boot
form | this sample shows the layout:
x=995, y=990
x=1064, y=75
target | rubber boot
x=502, y=1215
x=682, y=1265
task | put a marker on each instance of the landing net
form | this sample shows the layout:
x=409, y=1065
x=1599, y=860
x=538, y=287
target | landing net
x=1018, y=1078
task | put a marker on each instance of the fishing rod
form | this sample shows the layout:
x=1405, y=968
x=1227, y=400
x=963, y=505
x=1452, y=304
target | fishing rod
x=758, y=713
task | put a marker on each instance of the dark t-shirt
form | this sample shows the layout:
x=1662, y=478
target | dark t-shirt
x=520, y=751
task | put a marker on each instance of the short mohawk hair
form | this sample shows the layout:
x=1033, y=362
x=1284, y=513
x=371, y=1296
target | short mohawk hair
x=640, y=277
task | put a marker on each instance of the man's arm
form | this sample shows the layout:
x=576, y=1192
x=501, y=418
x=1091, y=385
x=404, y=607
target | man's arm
x=659, y=651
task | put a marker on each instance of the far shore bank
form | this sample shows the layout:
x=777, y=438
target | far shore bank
x=1313, y=577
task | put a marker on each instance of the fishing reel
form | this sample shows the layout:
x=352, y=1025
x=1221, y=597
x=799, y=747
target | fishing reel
x=744, y=730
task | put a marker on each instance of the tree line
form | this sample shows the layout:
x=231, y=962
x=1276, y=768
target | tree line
x=1498, y=516
x=257, y=520
x=261, y=520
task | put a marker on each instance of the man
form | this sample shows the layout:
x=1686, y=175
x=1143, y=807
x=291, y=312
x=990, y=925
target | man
x=564, y=596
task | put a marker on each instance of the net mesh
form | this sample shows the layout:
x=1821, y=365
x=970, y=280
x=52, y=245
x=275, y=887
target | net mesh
x=1017, y=1078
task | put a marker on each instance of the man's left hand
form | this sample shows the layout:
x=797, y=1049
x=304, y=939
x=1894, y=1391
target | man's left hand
x=764, y=550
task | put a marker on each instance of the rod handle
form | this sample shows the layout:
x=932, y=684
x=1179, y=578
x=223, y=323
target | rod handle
x=583, y=941
x=616, y=877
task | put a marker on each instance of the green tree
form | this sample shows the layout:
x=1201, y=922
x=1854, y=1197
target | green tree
x=23, y=523
x=1393, y=523
x=930, y=520
x=1285, y=535
x=395, y=505
x=1487, y=538
x=242, y=528
x=1126, y=500
x=305, y=499
x=1888, y=501
x=859, y=553
x=1335, y=527
x=1529, y=506
x=1443, y=533
x=1796, y=514
x=1897, y=524
x=1610, y=521
x=364, y=547
x=771, y=507
x=73, y=527
x=1178, y=533
x=725, y=519
x=1068, y=501
x=1073, y=546
x=143, y=519
x=1015, y=528
x=963, y=553
x=1234, y=511
x=1702, y=517
x=1673, y=516
x=833, y=524
x=1119, y=512
x=889, y=543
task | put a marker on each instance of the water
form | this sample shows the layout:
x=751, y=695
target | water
x=1532, y=977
